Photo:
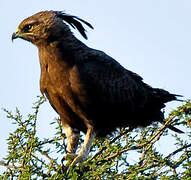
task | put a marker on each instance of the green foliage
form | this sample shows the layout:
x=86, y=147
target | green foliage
x=127, y=154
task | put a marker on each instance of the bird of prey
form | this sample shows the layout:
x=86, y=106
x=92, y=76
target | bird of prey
x=91, y=91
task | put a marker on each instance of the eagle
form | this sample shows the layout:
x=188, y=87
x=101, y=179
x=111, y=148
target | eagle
x=91, y=91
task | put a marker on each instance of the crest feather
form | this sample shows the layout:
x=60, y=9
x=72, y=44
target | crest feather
x=74, y=21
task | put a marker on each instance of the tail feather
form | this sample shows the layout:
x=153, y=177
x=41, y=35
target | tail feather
x=175, y=129
x=177, y=95
x=165, y=96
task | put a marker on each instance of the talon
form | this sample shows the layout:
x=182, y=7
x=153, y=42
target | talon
x=70, y=156
x=79, y=159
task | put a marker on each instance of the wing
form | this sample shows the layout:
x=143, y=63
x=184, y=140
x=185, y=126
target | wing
x=116, y=96
x=107, y=82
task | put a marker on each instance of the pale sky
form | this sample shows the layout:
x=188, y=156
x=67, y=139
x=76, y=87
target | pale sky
x=151, y=38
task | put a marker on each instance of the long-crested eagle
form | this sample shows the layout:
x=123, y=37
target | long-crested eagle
x=90, y=90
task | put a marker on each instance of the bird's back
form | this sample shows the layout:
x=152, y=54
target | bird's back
x=117, y=97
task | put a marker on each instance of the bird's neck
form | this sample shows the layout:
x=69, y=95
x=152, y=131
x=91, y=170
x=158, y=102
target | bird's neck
x=64, y=51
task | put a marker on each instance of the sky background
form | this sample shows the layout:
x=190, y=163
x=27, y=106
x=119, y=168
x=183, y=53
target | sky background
x=151, y=38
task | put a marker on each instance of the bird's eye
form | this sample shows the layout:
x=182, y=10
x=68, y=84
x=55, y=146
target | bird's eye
x=28, y=28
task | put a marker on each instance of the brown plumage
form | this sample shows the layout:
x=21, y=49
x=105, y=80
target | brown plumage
x=90, y=91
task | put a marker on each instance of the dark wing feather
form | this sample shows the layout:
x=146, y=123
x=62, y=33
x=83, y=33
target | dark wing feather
x=74, y=21
x=109, y=81
x=119, y=94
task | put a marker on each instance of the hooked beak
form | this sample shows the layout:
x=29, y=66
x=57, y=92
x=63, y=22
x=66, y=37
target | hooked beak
x=15, y=35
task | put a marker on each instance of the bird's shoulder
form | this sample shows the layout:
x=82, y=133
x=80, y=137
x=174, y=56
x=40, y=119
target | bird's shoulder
x=98, y=65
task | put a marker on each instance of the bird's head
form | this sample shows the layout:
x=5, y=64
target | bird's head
x=47, y=26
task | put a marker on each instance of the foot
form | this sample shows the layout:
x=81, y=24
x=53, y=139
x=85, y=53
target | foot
x=70, y=156
x=78, y=159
